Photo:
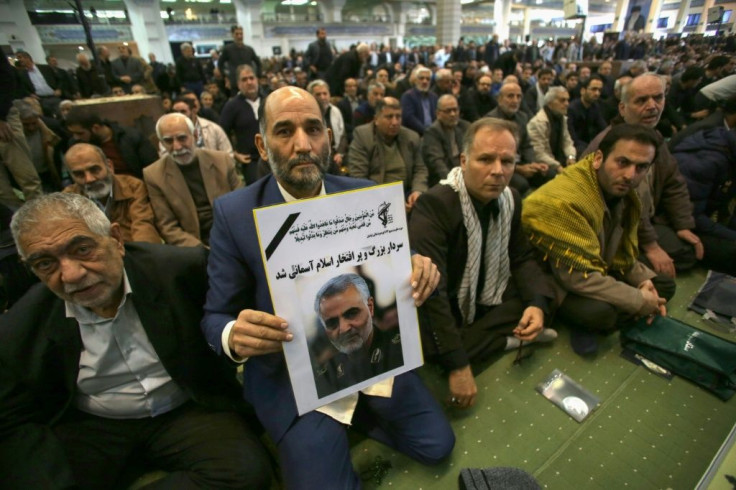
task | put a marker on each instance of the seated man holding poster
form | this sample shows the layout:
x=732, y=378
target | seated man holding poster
x=493, y=294
x=239, y=320
x=360, y=349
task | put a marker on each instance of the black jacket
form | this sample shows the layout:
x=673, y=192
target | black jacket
x=36, y=388
x=138, y=152
x=347, y=65
x=91, y=82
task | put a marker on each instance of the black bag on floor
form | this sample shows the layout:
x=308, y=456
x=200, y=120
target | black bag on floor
x=498, y=478
x=704, y=359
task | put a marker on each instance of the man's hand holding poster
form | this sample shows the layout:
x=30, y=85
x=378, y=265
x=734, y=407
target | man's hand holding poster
x=338, y=268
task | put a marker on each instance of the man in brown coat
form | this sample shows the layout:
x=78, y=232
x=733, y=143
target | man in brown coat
x=183, y=184
x=666, y=239
x=123, y=198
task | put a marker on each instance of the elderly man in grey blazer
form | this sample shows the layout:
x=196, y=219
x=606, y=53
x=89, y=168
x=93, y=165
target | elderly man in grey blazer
x=385, y=151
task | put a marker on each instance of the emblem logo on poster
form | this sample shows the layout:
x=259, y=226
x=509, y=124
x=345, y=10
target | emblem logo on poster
x=383, y=215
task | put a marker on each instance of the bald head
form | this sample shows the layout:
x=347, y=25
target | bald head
x=642, y=100
x=85, y=150
x=294, y=140
x=280, y=98
x=448, y=111
x=90, y=169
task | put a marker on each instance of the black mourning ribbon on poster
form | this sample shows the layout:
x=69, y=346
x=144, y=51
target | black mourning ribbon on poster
x=281, y=234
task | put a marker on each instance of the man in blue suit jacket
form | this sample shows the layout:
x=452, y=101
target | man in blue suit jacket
x=419, y=105
x=239, y=320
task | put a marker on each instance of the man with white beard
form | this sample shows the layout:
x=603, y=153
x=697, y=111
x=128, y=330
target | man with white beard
x=183, y=183
x=123, y=198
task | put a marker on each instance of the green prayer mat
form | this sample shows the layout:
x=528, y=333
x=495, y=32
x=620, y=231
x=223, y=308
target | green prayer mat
x=646, y=433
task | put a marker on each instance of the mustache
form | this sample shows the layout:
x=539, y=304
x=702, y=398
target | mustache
x=99, y=185
x=71, y=289
x=302, y=159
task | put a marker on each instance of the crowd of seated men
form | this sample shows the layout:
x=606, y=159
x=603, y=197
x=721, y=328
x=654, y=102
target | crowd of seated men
x=599, y=187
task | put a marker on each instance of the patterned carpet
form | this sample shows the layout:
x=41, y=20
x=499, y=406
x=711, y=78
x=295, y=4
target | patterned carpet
x=646, y=433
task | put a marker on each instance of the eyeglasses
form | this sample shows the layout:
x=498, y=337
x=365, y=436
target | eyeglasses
x=450, y=110
x=180, y=138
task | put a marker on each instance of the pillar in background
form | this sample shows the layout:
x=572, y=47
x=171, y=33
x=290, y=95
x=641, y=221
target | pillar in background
x=655, y=8
x=400, y=18
x=501, y=19
x=334, y=11
x=526, y=29
x=622, y=12
x=681, y=16
x=18, y=32
x=448, y=22
x=248, y=13
x=148, y=29
x=704, y=16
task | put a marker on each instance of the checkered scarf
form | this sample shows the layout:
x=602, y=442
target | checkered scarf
x=564, y=219
x=496, y=259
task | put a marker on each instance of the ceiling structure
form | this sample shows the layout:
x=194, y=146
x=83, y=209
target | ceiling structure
x=201, y=7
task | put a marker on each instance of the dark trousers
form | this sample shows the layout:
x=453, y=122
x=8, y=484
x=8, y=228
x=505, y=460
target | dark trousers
x=196, y=87
x=585, y=313
x=720, y=254
x=251, y=171
x=682, y=252
x=50, y=105
x=314, y=452
x=198, y=448
x=487, y=334
x=524, y=185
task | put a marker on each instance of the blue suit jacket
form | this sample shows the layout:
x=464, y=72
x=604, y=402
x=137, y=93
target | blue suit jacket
x=411, y=109
x=238, y=282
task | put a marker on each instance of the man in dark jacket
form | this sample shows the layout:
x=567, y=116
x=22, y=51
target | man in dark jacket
x=492, y=293
x=492, y=51
x=725, y=117
x=707, y=161
x=477, y=101
x=91, y=82
x=127, y=70
x=41, y=81
x=345, y=66
x=190, y=70
x=419, y=105
x=128, y=150
x=443, y=141
x=318, y=56
x=584, y=118
x=235, y=54
x=115, y=365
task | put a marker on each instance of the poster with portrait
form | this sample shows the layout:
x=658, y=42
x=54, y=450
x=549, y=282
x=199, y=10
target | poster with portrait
x=338, y=268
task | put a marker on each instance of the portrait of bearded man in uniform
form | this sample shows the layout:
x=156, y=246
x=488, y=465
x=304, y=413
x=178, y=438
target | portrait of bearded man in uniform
x=358, y=349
